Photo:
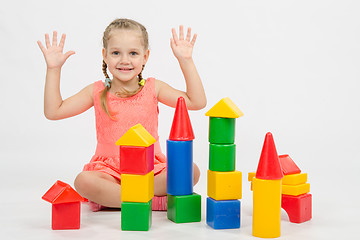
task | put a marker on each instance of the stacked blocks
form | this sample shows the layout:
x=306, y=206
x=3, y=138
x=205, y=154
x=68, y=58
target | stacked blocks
x=267, y=192
x=65, y=206
x=183, y=204
x=137, y=178
x=223, y=181
x=296, y=199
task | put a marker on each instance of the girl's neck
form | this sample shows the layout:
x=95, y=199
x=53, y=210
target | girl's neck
x=118, y=85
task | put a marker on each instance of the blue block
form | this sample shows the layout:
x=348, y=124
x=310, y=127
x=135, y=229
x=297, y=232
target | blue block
x=179, y=167
x=223, y=214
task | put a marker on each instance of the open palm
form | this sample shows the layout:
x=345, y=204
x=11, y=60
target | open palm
x=182, y=47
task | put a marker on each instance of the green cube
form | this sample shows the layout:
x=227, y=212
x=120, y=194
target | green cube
x=222, y=130
x=136, y=216
x=222, y=157
x=184, y=209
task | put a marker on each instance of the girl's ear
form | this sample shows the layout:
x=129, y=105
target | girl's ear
x=104, y=53
x=146, y=56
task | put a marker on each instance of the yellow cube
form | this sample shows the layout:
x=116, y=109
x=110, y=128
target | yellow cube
x=295, y=190
x=295, y=179
x=137, y=188
x=224, y=185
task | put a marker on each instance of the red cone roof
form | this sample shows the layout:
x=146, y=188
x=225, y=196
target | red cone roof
x=269, y=164
x=181, y=129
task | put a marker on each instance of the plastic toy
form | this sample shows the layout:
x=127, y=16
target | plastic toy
x=183, y=205
x=267, y=192
x=296, y=190
x=65, y=206
x=288, y=166
x=184, y=209
x=224, y=184
x=298, y=208
x=223, y=214
x=136, y=216
x=137, y=178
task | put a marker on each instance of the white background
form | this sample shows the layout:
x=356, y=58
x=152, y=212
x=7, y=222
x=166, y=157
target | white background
x=292, y=67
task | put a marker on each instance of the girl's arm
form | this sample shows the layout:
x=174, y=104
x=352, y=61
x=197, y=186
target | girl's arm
x=55, y=107
x=195, y=95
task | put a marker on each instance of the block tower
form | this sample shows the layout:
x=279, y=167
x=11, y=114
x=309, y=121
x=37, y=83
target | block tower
x=296, y=199
x=137, y=178
x=224, y=183
x=183, y=204
x=267, y=192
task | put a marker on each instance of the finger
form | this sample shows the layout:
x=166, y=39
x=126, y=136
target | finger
x=47, y=40
x=62, y=41
x=181, y=32
x=54, y=41
x=42, y=48
x=193, y=40
x=188, y=35
x=68, y=54
x=175, y=37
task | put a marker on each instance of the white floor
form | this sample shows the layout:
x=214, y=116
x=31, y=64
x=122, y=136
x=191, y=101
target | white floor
x=25, y=216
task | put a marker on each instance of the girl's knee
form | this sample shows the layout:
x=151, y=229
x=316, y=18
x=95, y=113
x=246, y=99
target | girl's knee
x=196, y=174
x=83, y=183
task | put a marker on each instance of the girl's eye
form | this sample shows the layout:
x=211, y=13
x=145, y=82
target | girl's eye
x=115, y=53
x=133, y=53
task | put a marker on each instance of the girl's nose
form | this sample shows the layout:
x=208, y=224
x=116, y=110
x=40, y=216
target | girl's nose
x=124, y=59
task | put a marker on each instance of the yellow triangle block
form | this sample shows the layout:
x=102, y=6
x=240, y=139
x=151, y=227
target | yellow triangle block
x=136, y=136
x=225, y=108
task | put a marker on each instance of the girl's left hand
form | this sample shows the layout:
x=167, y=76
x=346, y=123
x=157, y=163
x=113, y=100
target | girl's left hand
x=182, y=47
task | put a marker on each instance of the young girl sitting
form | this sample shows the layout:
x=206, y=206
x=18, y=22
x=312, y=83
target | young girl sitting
x=120, y=103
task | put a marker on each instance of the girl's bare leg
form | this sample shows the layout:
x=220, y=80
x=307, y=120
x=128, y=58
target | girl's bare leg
x=99, y=187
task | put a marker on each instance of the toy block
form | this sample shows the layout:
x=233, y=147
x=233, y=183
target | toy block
x=184, y=209
x=295, y=179
x=251, y=175
x=222, y=157
x=223, y=214
x=298, y=208
x=136, y=136
x=181, y=129
x=269, y=165
x=179, y=167
x=137, y=188
x=222, y=130
x=225, y=108
x=296, y=190
x=65, y=216
x=136, y=216
x=136, y=160
x=266, y=208
x=65, y=206
x=224, y=185
x=288, y=166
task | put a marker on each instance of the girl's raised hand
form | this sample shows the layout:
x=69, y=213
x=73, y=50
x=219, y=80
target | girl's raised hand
x=53, y=52
x=182, y=47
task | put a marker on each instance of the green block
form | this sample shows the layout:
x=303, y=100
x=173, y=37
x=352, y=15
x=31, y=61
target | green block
x=222, y=157
x=184, y=209
x=222, y=130
x=136, y=216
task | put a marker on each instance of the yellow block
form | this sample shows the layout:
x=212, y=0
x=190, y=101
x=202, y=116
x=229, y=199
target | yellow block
x=295, y=179
x=296, y=190
x=266, y=208
x=136, y=136
x=225, y=108
x=251, y=175
x=224, y=185
x=137, y=188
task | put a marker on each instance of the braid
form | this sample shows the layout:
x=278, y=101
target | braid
x=103, y=95
x=104, y=67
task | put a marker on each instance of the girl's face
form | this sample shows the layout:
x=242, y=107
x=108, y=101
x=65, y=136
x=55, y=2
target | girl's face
x=125, y=55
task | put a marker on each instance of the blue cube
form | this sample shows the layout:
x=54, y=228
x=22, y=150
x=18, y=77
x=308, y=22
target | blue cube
x=223, y=214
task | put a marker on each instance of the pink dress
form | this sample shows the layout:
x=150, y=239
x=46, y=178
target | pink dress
x=141, y=108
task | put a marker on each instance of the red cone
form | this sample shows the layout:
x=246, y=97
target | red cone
x=181, y=129
x=269, y=164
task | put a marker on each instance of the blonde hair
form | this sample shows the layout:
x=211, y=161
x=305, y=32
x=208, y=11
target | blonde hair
x=128, y=24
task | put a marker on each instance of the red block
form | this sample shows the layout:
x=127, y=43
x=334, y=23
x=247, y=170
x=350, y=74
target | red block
x=288, y=166
x=66, y=216
x=269, y=165
x=298, y=208
x=136, y=160
x=181, y=129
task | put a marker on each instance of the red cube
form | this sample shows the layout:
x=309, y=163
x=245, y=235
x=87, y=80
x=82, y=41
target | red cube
x=136, y=160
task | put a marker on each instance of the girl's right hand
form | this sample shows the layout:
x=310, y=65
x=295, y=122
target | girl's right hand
x=53, y=53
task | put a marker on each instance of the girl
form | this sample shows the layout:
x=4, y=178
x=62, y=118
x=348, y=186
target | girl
x=120, y=103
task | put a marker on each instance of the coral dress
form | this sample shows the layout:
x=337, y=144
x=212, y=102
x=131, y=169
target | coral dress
x=141, y=108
